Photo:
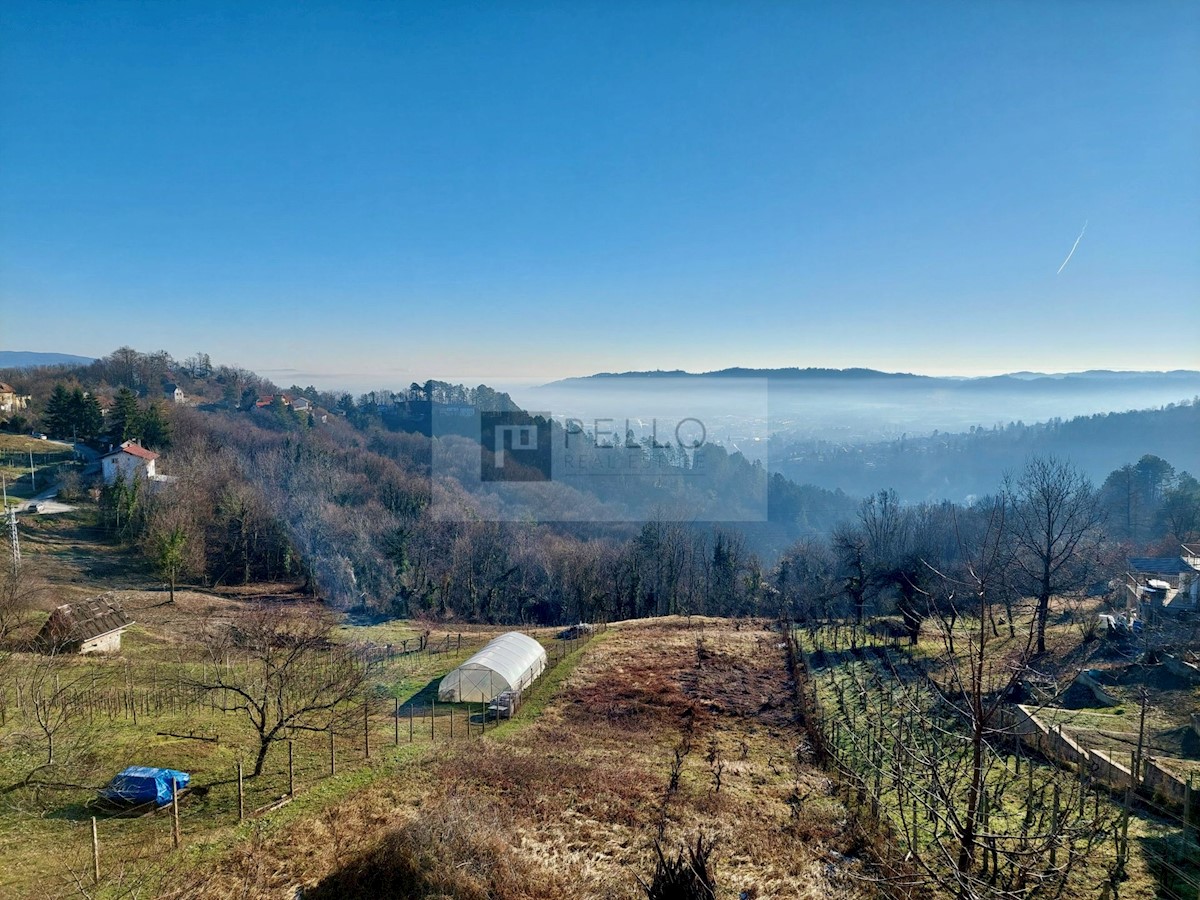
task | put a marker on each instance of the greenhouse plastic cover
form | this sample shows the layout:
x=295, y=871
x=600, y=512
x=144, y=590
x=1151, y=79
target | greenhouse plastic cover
x=144, y=784
x=510, y=662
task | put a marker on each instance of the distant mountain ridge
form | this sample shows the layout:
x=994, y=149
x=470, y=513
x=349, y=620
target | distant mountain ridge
x=791, y=372
x=860, y=374
x=28, y=359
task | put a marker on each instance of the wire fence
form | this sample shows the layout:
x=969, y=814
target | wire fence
x=125, y=847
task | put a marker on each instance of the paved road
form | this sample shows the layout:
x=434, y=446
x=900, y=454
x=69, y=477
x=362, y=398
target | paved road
x=44, y=500
x=45, y=503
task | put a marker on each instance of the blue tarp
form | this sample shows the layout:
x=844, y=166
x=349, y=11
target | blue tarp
x=144, y=784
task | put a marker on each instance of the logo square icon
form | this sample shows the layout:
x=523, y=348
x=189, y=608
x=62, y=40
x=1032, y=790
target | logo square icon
x=515, y=446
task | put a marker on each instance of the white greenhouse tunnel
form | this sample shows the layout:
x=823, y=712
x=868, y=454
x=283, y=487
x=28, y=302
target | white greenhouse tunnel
x=510, y=662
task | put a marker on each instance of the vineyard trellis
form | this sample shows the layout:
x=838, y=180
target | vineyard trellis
x=883, y=725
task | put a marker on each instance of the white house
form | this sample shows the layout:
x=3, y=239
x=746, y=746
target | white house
x=301, y=404
x=130, y=460
x=174, y=393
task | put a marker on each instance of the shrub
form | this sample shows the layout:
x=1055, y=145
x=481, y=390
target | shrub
x=686, y=876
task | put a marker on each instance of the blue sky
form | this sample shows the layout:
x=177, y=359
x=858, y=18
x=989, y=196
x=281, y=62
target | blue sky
x=372, y=192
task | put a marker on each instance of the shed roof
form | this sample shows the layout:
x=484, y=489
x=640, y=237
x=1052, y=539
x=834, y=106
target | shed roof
x=1160, y=565
x=77, y=622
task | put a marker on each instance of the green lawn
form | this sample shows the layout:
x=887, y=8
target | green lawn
x=45, y=833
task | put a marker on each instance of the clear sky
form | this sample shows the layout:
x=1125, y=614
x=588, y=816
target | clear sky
x=385, y=191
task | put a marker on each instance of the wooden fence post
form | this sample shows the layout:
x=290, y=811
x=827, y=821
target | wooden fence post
x=175, y=812
x=241, y=794
x=95, y=854
x=291, y=769
x=396, y=721
x=332, y=764
x=366, y=729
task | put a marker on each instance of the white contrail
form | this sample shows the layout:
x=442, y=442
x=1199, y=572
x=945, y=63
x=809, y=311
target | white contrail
x=1073, y=246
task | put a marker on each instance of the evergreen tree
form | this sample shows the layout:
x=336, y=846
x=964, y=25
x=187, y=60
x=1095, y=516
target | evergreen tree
x=125, y=424
x=156, y=429
x=58, y=413
x=86, y=416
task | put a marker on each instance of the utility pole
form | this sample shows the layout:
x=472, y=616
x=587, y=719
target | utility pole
x=13, y=538
x=32, y=473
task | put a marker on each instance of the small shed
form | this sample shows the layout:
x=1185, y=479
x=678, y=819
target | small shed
x=93, y=626
x=511, y=662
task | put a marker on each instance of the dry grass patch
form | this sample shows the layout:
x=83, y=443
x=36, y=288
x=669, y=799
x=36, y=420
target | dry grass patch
x=572, y=804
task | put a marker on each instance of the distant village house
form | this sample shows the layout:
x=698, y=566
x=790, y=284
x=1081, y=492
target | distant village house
x=129, y=460
x=174, y=393
x=10, y=400
x=93, y=626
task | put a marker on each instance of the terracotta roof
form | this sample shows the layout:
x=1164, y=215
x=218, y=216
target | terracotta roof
x=74, y=623
x=133, y=450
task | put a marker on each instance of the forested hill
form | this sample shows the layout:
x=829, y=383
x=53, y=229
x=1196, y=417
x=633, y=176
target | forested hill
x=343, y=496
x=956, y=466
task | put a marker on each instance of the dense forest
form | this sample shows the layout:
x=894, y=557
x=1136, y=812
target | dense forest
x=958, y=466
x=343, y=496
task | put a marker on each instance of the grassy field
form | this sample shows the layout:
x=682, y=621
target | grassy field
x=570, y=795
x=16, y=453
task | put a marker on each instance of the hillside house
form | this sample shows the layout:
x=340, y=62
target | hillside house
x=10, y=400
x=1172, y=582
x=267, y=399
x=93, y=626
x=130, y=460
x=300, y=404
x=173, y=393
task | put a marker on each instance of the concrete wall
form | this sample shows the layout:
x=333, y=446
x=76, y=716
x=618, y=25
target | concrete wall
x=105, y=643
x=1163, y=784
x=1054, y=744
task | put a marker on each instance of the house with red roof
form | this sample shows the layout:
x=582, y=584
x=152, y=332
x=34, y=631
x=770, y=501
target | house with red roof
x=130, y=459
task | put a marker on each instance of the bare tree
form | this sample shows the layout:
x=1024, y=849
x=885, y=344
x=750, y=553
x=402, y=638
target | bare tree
x=53, y=733
x=850, y=549
x=1056, y=521
x=280, y=669
x=20, y=588
x=927, y=741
